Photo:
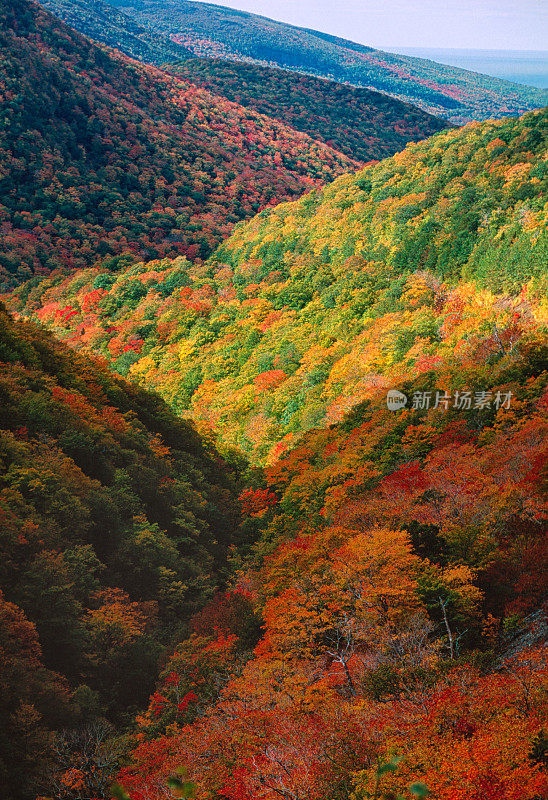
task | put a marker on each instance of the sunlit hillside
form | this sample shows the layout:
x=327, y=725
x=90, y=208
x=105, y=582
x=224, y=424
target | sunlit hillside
x=311, y=307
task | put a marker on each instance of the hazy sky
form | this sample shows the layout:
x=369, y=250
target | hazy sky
x=485, y=24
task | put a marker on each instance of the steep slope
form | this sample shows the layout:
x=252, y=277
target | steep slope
x=101, y=155
x=116, y=523
x=312, y=306
x=402, y=553
x=34, y=700
x=364, y=125
x=104, y=23
x=217, y=32
x=401, y=572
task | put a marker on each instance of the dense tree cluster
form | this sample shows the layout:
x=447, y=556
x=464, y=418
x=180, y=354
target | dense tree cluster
x=102, y=156
x=399, y=578
x=103, y=22
x=360, y=613
x=309, y=308
x=364, y=125
x=116, y=523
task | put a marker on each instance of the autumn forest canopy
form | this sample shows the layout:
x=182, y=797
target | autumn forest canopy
x=311, y=307
x=230, y=568
x=104, y=157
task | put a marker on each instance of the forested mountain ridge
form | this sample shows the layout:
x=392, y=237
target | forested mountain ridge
x=214, y=31
x=102, y=156
x=364, y=125
x=312, y=306
x=104, y=23
x=116, y=523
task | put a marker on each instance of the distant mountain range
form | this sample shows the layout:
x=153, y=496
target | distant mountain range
x=109, y=25
x=103, y=156
x=149, y=30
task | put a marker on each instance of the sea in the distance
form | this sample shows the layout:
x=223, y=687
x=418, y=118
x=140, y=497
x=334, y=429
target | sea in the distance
x=521, y=66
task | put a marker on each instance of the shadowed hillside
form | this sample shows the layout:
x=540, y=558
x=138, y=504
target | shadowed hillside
x=116, y=524
x=362, y=124
x=103, y=156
